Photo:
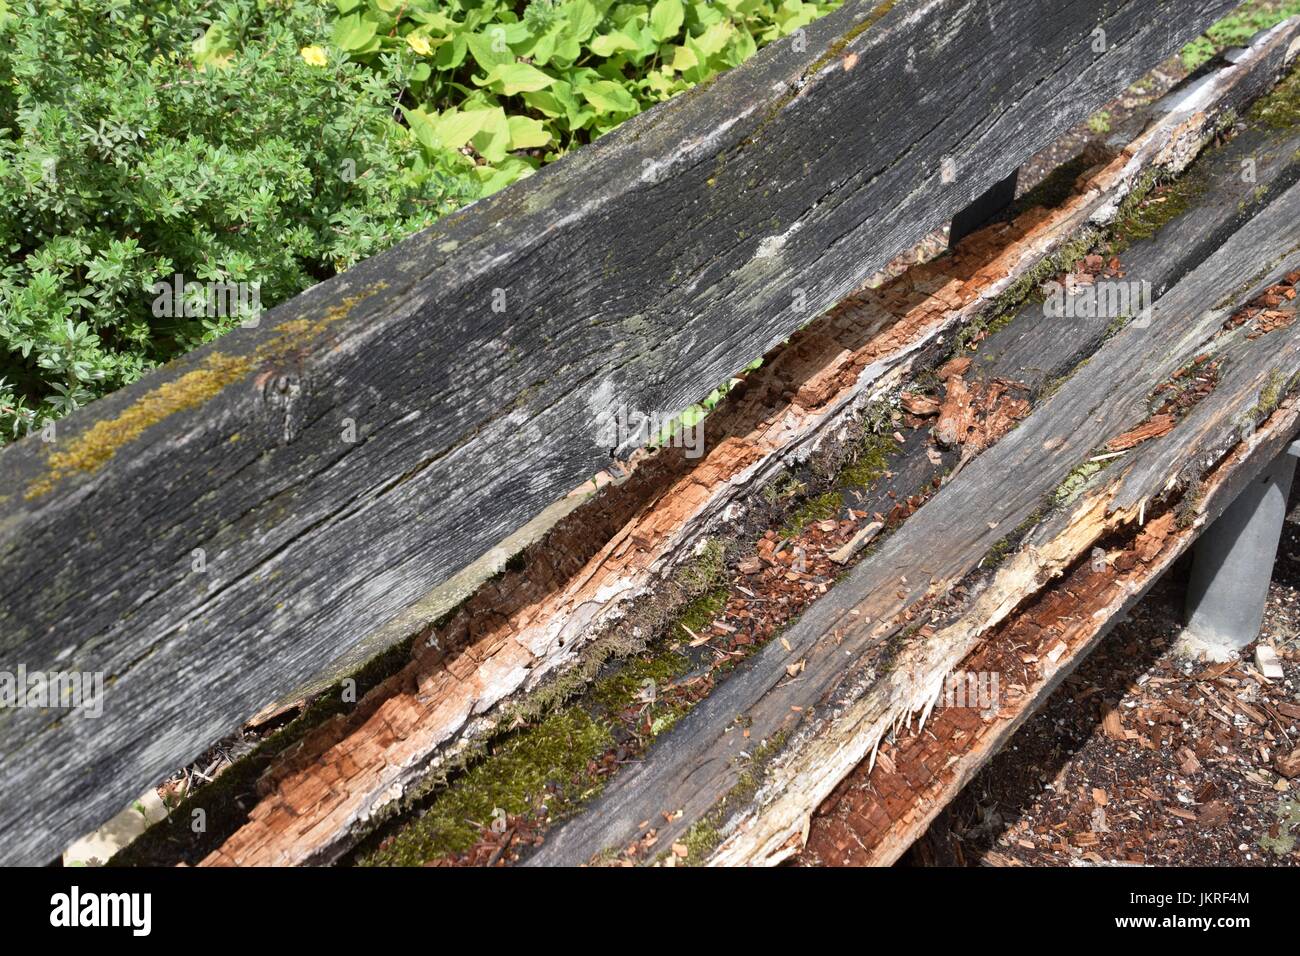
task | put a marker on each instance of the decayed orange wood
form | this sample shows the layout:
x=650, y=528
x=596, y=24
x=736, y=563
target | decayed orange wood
x=507, y=631
x=525, y=625
x=876, y=813
x=885, y=803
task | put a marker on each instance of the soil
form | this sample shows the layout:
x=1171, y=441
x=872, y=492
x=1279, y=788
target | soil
x=1143, y=758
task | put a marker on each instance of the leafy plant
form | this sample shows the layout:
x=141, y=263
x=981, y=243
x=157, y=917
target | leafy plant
x=1237, y=28
x=146, y=139
x=507, y=92
x=277, y=142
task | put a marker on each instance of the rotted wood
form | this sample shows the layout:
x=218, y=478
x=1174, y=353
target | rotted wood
x=362, y=765
x=385, y=429
x=878, y=647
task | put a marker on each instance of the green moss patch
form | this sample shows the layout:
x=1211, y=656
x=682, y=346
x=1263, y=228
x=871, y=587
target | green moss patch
x=1280, y=109
x=544, y=765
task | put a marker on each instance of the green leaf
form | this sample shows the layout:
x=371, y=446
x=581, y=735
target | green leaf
x=545, y=102
x=497, y=177
x=527, y=133
x=354, y=33
x=488, y=50
x=450, y=130
x=511, y=78
x=684, y=58
x=608, y=97
x=580, y=18
x=666, y=18
x=492, y=141
x=450, y=55
x=714, y=39
x=610, y=43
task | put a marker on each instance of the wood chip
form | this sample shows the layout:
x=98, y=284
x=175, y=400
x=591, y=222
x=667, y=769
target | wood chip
x=1289, y=765
x=1267, y=662
x=845, y=553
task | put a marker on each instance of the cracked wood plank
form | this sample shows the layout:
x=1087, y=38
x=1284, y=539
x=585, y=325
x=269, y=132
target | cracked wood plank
x=834, y=710
x=884, y=809
x=791, y=172
x=341, y=780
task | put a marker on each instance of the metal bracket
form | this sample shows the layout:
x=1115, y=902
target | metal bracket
x=1232, y=565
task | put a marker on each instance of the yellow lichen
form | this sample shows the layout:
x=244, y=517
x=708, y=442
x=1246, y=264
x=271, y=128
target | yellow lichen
x=92, y=450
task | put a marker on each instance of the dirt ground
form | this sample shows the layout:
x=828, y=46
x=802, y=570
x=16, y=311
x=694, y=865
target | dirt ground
x=1142, y=758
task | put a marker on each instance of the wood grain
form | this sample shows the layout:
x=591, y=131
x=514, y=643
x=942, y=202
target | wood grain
x=640, y=271
x=859, y=649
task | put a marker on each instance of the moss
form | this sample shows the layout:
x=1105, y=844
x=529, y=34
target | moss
x=706, y=834
x=833, y=52
x=543, y=765
x=700, y=840
x=172, y=839
x=1025, y=290
x=1076, y=480
x=1189, y=506
x=1151, y=206
x=998, y=553
x=1270, y=396
x=1115, y=327
x=1280, y=109
x=787, y=486
x=90, y=451
x=626, y=686
x=700, y=613
x=1280, y=838
x=1100, y=122
x=578, y=698
x=1003, y=547
x=841, y=42
x=821, y=508
x=705, y=569
x=872, y=462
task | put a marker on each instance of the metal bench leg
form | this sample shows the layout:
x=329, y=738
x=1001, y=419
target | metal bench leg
x=1232, y=564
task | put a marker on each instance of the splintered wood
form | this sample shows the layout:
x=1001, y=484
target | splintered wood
x=874, y=814
x=530, y=625
x=524, y=625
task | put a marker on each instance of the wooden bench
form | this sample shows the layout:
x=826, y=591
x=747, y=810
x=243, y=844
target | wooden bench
x=346, y=473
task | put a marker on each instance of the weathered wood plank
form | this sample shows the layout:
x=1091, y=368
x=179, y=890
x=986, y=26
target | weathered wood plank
x=699, y=762
x=1061, y=628
x=806, y=391
x=617, y=282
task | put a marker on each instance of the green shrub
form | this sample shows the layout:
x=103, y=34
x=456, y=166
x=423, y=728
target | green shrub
x=146, y=139
x=508, y=91
x=1237, y=28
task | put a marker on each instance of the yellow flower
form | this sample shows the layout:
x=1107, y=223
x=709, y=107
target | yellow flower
x=419, y=43
x=314, y=55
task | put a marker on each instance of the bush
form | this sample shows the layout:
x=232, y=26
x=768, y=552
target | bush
x=510, y=90
x=147, y=139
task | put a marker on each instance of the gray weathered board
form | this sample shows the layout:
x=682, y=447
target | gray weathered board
x=699, y=761
x=638, y=272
